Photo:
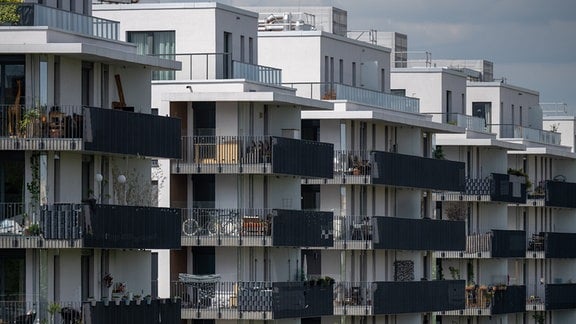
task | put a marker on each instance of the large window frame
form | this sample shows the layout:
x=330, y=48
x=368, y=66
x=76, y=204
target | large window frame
x=157, y=43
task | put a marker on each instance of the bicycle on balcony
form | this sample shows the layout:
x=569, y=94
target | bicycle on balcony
x=211, y=224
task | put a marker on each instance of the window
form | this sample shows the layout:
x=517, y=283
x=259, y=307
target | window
x=250, y=50
x=341, y=71
x=353, y=74
x=160, y=43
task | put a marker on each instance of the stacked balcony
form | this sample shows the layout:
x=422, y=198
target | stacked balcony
x=557, y=296
x=551, y=245
x=107, y=226
x=213, y=299
x=256, y=227
x=394, y=169
x=254, y=155
x=75, y=128
x=494, y=244
x=551, y=193
x=491, y=300
x=126, y=311
x=497, y=187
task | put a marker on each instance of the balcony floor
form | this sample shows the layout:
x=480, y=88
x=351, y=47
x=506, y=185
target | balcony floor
x=462, y=255
x=222, y=313
x=214, y=168
x=48, y=144
x=226, y=241
x=456, y=196
x=353, y=310
x=469, y=311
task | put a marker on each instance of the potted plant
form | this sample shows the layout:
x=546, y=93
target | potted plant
x=138, y=299
x=34, y=229
x=29, y=125
x=53, y=309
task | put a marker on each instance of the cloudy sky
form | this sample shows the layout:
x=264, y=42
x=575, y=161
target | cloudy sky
x=531, y=42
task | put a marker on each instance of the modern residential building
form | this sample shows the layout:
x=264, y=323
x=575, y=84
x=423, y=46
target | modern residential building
x=76, y=138
x=509, y=214
x=238, y=182
x=385, y=228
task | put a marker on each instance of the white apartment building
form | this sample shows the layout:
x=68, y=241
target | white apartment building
x=238, y=182
x=76, y=227
x=377, y=190
x=508, y=263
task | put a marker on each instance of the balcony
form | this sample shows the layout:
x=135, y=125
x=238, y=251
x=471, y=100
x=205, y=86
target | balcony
x=254, y=155
x=556, y=297
x=494, y=244
x=131, y=311
x=75, y=128
x=525, y=133
x=416, y=172
x=551, y=193
x=213, y=299
x=353, y=298
x=256, y=227
x=353, y=232
x=473, y=123
x=336, y=91
x=497, y=187
x=220, y=66
x=551, y=245
x=110, y=226
x=491, y=300
x=418, y=234
x=387, y=168
x=397, y=297
x=28, y=14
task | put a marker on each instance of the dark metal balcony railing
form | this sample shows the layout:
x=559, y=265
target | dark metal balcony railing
x=354, y=294
x=510, y=299
x=28, y=14
x=560, y=296
x=249, y=154
x=554, y=245
x=353, y=228
x=555, y=193
x=86, y=312
x=336, y=91
x=90, y=129
x=253, y=222
x=500, y=243
x=500, y=187
x=418, y=234
x=285, y=227
x=282, y=299
x=111, y=226
x=398, y=297
x=10, y=210
x=417, y=172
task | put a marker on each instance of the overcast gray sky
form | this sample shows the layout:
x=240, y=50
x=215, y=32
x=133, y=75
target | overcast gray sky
x=531, y=42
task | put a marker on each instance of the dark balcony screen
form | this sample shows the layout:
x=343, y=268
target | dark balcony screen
x=302, y=228
x=302, y=158
x=417, y=172
x=508, y=244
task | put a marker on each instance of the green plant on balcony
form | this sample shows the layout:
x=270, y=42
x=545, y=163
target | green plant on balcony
x=455, y=273
x=437, y=153
x=33, y=186
x=34, y=230
x=521, y=173
x=9, y=13
x=540, y=318
x=29, y=125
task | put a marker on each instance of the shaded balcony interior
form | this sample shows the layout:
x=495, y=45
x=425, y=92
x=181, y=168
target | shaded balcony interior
x=554, y=193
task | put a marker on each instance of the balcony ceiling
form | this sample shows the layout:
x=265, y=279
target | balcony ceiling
x=269, y=97
x=387, y=116
x=49, y=41
x=457, y=140
x=558, y=152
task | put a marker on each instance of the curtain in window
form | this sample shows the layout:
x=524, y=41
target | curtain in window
x=164, y=47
